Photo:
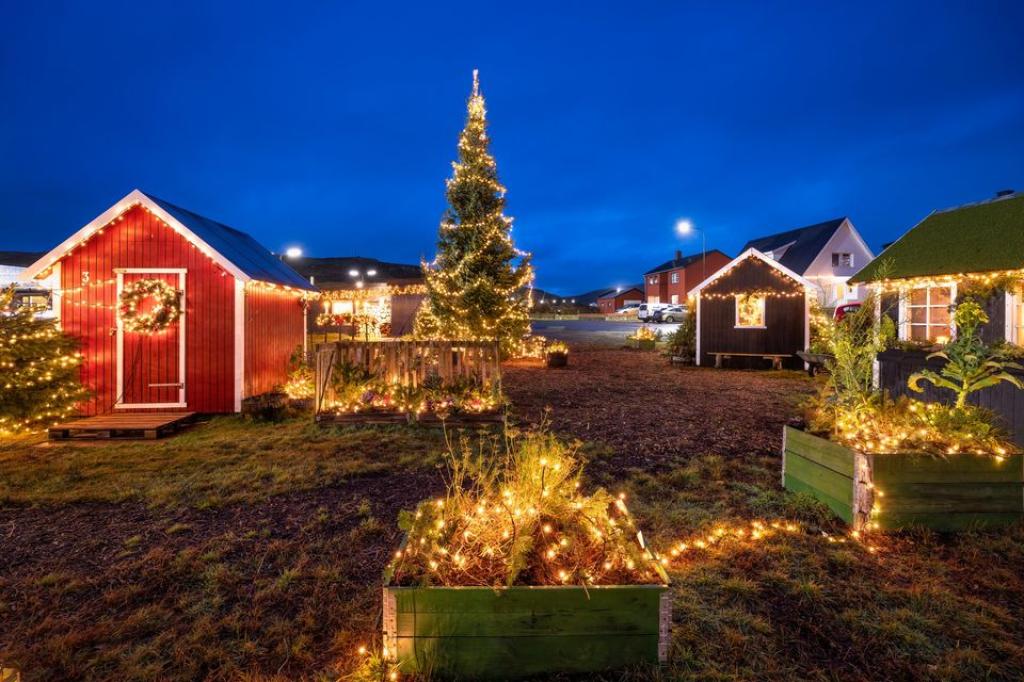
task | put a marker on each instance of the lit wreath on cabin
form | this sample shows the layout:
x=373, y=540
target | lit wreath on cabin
x=162, y=315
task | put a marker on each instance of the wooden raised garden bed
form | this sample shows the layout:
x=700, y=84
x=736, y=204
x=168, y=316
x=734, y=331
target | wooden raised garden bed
x=557, y=359
x=897, y=491
x=479, y=632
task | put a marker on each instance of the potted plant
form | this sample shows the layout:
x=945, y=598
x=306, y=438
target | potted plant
x=516, y=572
x=879, y=463
x=557, y=354
x=682, y=343
x=644, y=338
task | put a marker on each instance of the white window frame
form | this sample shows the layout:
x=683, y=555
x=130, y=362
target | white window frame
x=837, y=256
x=904, y=310
x=736, y=302
x=1014, y=332
x=674, y=278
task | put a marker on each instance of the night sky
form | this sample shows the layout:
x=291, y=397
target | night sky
x=332, y=125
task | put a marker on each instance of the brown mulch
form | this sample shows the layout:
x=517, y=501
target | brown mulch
x=646, y=409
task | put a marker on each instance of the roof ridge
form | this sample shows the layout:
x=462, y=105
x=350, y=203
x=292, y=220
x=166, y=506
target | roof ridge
x=982, y=202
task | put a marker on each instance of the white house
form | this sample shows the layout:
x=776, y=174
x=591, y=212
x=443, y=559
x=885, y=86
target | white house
x=826, y=254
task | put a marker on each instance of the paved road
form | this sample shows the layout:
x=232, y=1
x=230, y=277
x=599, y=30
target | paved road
x=601, y=332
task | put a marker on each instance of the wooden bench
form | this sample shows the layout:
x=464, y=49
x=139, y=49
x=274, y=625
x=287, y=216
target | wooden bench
x=776, y=358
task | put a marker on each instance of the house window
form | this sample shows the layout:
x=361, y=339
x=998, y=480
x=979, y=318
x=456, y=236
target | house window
x=928, y=316
x=842, y=260
x=749, y=311
x=341, y=307
x=653, y=299
x=675, y=299
x=674, y=278
x=654, y=280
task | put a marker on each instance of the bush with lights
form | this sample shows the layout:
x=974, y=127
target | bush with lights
x=300, y=384
x=38, y=370
x=478, y=286
x=851, y=412
x=514, y=514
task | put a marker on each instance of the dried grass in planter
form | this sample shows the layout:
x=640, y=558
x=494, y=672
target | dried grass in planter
x=514, y=514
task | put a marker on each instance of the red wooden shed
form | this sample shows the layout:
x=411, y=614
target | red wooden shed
x=241, y=309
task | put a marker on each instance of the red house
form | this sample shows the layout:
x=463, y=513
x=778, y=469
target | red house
x=672, y=281
x=240, y=309
x=615, y=299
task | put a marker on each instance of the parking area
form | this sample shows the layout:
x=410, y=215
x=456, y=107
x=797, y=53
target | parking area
x=594, y=332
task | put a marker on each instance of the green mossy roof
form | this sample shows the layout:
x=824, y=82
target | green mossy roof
x=975, y=238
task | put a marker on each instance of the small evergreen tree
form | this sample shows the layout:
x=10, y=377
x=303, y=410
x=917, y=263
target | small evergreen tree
x=478, y=285
x=38, y=369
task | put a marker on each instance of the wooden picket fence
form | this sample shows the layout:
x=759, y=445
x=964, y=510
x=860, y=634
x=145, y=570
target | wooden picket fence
x=409, y=363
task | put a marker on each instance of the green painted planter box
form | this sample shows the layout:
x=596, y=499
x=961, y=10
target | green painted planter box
x=900, y=491
x=479, y=632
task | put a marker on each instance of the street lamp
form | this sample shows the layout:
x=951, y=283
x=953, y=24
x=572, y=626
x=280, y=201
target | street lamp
x=293, y=252
x=685, y=228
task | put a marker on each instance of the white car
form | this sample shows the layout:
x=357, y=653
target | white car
x=646, y=310
x=628, y=308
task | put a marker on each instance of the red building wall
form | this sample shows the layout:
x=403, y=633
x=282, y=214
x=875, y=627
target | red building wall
x=139, y=240
x=612, y=303
x=274, y=322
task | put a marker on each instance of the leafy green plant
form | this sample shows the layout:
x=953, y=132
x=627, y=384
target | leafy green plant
x=683, y=341
x=971, y=364
x=853, y=343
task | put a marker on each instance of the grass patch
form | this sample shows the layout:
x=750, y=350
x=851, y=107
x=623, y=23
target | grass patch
x=227, y=461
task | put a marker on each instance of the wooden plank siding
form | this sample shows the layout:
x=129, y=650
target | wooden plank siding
x=482, y=632
x=897, y=491
x=274, y=322
x=784, y=317
x=140, y=240
x=1005, y=400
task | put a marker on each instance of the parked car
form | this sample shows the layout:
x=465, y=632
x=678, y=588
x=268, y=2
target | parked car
x=844, y=310
x=628, y=308
x=645, y=310
x=673, y=313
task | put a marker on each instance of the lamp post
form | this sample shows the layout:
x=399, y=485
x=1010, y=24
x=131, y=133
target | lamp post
x=684, y=227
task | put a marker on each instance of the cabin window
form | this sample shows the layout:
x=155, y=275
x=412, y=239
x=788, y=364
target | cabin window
x=749, y=311
x=842, y=260
x=674, y=278
x=928, y=317
x=341, y=307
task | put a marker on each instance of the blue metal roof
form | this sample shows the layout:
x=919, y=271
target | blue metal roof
x=243, y=251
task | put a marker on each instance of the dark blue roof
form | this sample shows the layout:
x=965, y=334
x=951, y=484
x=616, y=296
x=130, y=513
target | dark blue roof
x=807, y=243
x=243, y=251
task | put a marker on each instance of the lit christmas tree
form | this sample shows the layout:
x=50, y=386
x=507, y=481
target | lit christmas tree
x=38, y=370
x=478, y=286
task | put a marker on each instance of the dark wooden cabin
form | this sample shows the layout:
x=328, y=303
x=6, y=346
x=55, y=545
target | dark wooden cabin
x=754, y=312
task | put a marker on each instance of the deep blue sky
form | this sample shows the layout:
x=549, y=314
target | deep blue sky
x=332, y=125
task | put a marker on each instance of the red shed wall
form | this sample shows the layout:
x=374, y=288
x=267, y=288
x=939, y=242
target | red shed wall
x=274, y=323
x=140, y=240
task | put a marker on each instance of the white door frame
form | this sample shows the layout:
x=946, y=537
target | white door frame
x=180, y=272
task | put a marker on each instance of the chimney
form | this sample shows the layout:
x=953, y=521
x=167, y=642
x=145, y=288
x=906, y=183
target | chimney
x=1004, y=193
x=679, y=255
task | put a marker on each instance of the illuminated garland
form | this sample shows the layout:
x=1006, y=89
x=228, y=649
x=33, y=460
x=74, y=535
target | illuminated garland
x=762, y=293
x=370, y=293
x=983, y=278
x=162, y=315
